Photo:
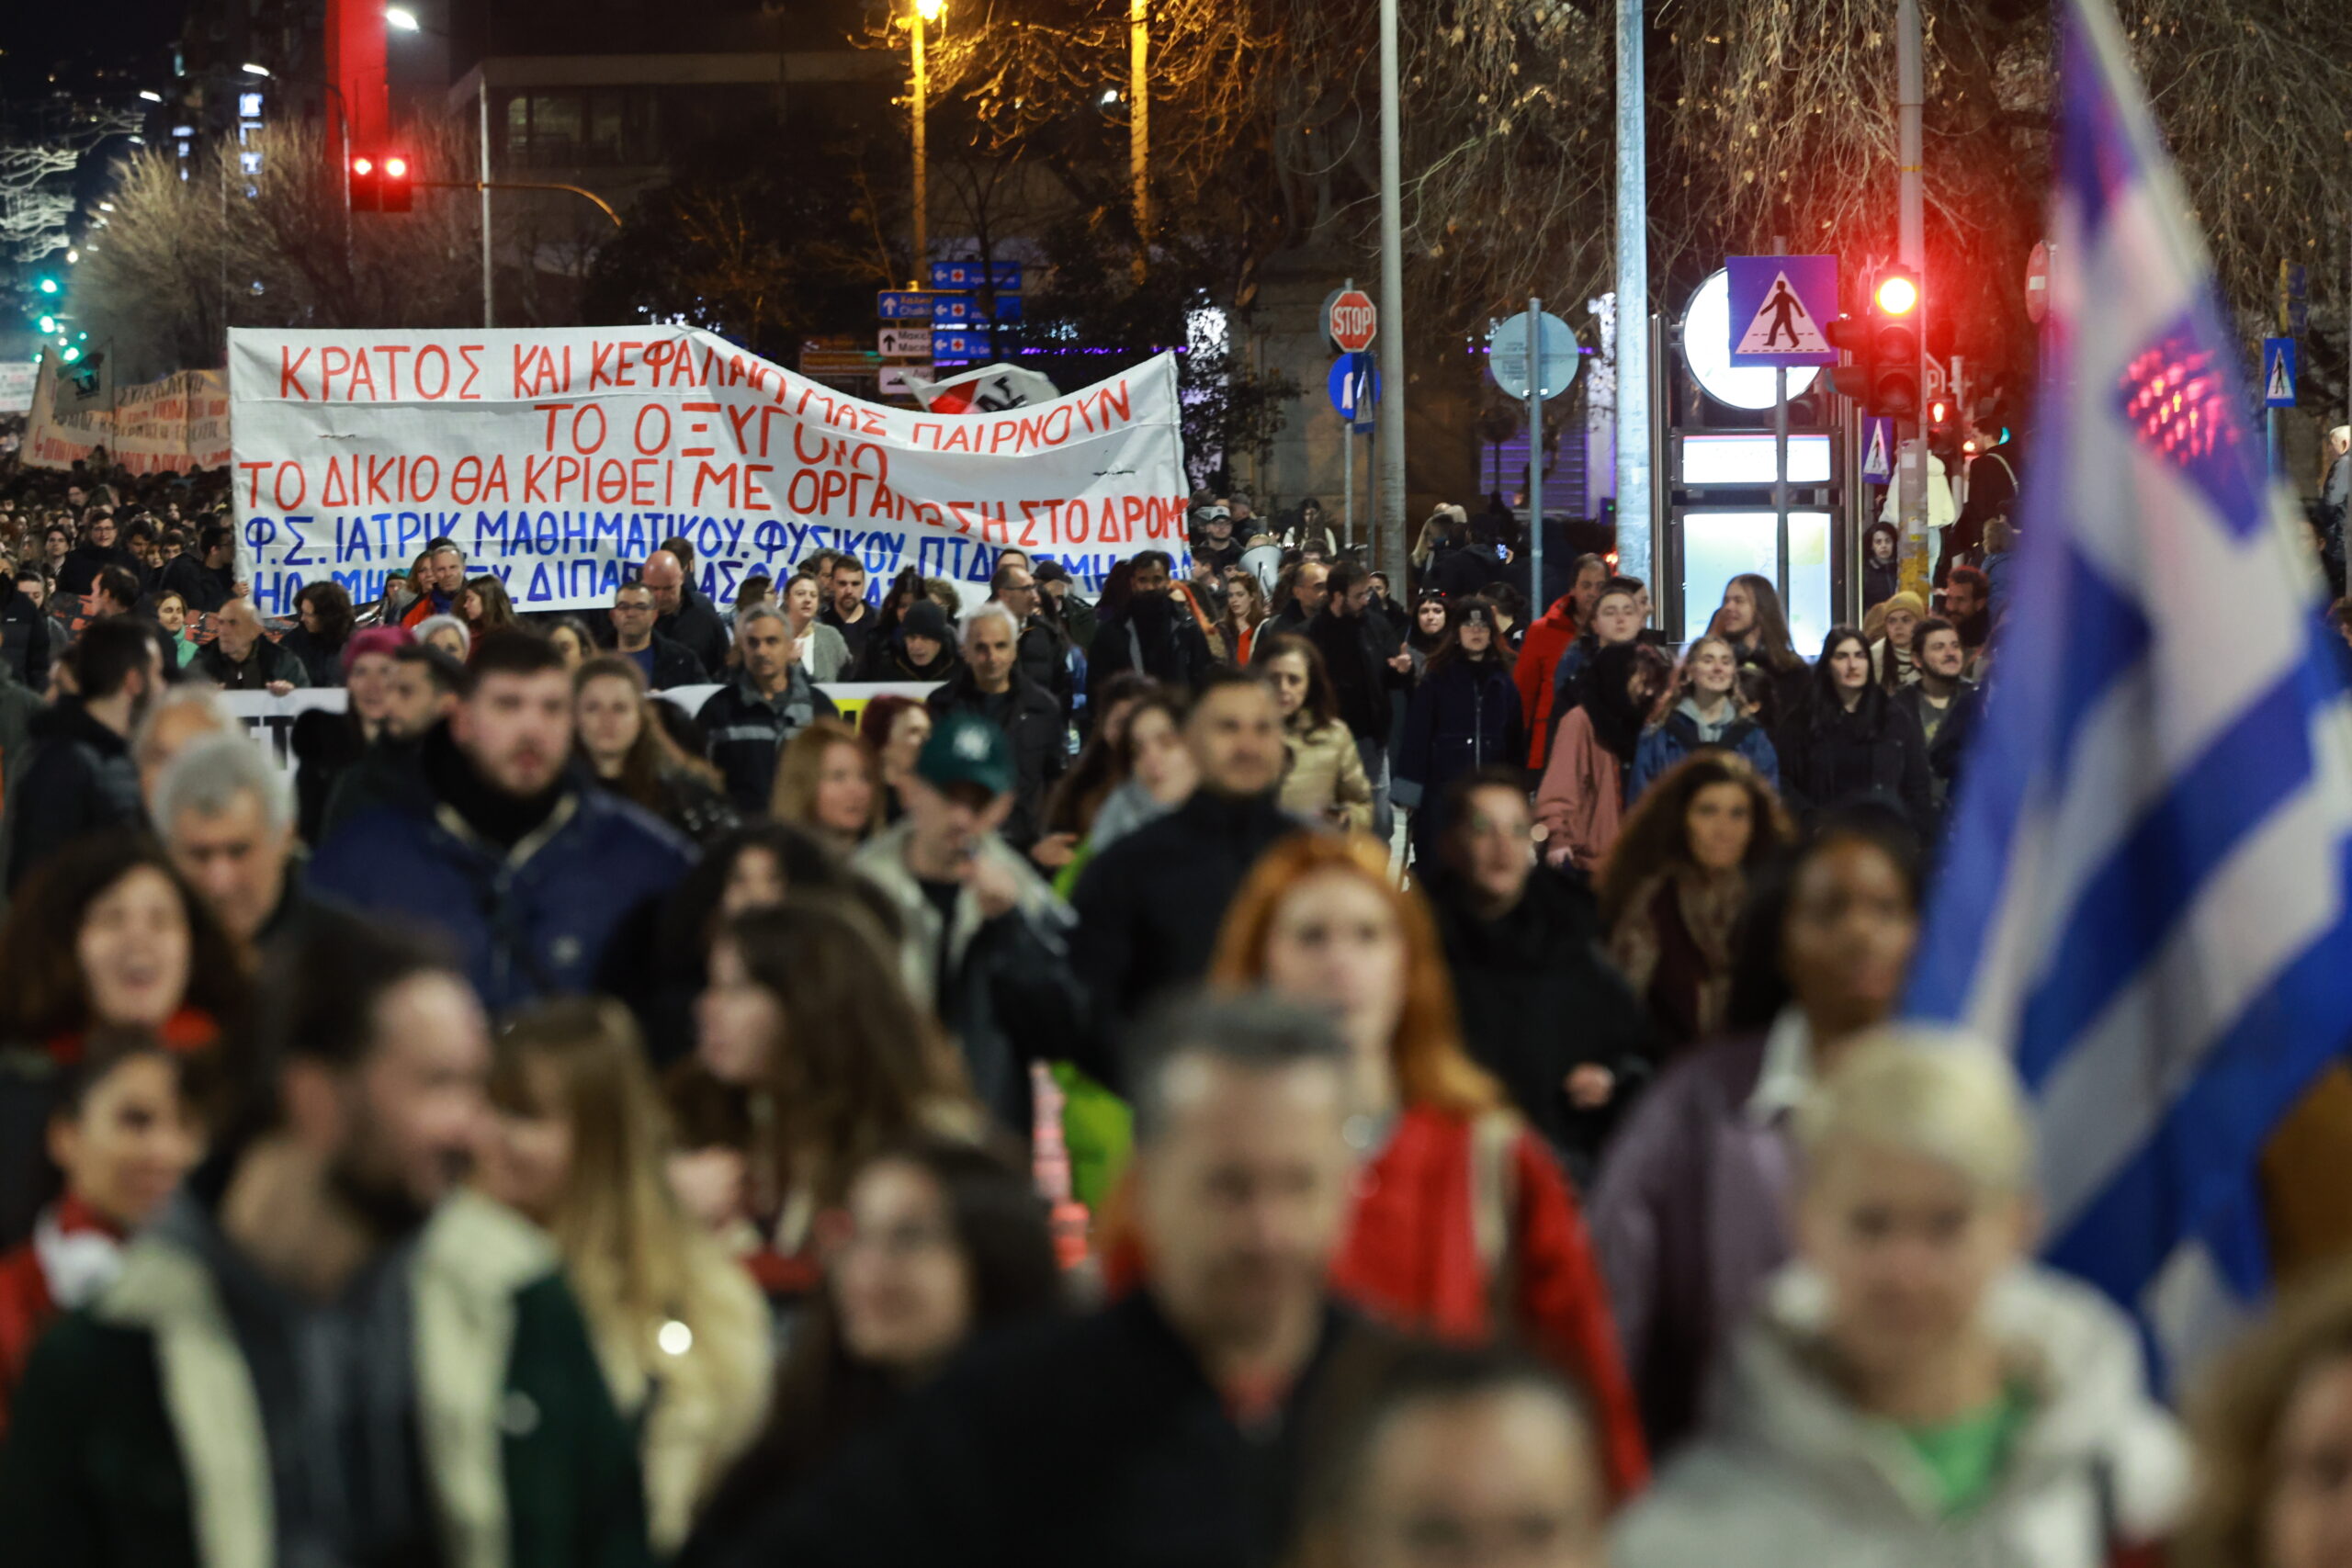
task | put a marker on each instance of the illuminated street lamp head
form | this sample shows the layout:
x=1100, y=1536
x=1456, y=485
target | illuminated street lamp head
x=930, y=10
x=249, y=69
x=152, y=96
x=401, y=19
x=1897, y=294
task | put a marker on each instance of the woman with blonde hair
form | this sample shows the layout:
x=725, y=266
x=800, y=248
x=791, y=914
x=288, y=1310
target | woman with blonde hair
x=1465, y=1228
x=577, y=1146
x=830, y=781
x=1325, y=782
x=1914, y=1389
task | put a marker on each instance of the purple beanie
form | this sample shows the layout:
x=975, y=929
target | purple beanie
x=375, y=639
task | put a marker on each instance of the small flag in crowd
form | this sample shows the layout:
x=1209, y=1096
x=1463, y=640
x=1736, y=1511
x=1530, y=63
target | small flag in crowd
x=2145, y=892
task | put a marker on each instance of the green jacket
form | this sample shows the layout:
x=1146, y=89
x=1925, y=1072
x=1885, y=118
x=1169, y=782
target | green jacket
x=136, y=1439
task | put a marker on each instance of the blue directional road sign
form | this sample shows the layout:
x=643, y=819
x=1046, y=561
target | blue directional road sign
x=1878, y=451
x=1778, y=307
x=2277, y=372
x=1354, y=385
x=903, y=305
x=959, y=342
x=954, y=309
x=976, y=275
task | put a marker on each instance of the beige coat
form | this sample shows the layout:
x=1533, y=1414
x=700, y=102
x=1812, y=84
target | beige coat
x=1325, y=771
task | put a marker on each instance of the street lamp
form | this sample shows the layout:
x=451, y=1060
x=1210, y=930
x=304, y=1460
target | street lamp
x=249, y=69
x=925, y=13
x=399, y=19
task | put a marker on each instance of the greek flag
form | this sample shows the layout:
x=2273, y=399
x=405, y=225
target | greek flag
x=2145, y=890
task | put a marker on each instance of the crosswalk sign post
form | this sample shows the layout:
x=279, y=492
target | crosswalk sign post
x=1778, y=306
x=2278, y=391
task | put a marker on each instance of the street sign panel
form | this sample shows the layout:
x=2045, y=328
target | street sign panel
x=1349, y=321
x=976, y=275
x=1354, y=386
x=959, y=342
x=2277, y=372
x=1507, y=354
x=1878, y=451
x=954, y=309
x=912, y=342
x=903, y=305
x=1777, y=304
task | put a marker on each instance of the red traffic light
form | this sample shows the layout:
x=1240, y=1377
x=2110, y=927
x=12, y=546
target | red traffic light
x=1898, y=295
x=363, y=167
x=396, y=167
x=1936, y=411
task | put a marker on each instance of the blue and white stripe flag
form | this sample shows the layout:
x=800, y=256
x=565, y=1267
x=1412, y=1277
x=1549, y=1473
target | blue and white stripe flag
x=2145, y=892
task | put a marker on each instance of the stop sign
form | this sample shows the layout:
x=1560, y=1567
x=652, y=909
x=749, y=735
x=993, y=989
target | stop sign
x=2037, y=282
x=1349, y=321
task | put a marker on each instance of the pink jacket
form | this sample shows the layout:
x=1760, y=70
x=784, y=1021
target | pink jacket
x=1582, y=798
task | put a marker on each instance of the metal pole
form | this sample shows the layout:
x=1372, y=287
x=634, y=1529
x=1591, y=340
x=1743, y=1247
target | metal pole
x=487, y=273
x=1911, y=471
x=1535, y=451
x=923, y=194
x=1348, y=451
x=1139, y=123
x=1389, y=413
x=1635, y=515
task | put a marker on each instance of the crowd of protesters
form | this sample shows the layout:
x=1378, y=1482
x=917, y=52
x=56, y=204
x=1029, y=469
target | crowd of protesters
x=1251, y=1067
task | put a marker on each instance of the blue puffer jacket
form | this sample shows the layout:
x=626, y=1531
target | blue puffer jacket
x=569, y=910
x=1667, y=743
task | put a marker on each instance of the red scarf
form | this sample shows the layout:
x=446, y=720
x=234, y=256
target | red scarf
x=188, y=1029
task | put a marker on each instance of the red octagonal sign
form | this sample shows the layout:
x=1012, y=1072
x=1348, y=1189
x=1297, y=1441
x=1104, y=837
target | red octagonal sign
x=1349, y=321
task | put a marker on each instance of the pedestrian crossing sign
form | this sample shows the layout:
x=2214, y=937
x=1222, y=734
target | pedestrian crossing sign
x=2277, y=372
x=1878, y=451
x=1778, y=307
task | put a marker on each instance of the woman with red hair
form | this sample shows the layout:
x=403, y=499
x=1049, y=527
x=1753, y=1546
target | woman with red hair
x=1464, y=1228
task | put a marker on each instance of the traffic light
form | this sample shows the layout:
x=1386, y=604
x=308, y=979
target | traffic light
x=366, y=183
x=48, y=285
x=1885, y=377
x=398, y=186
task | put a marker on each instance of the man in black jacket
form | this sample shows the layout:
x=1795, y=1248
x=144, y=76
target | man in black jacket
x=23, y=631
x=1043, y=650
x=81, y=777
x=1167, y=1428
x=1364, y=665
x=98, y=551
x=1542, y=1010
x=683, y=615
x=1946, y=704
x=1149, y=905
x=745, y=726
x=206, y=579
x=666, y=664
x=1151, y=633
x=1303, y=593
x=242, y=659
x=991, y=684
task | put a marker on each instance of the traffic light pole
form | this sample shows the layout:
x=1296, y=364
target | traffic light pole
x=1911, y=471
x=1781, y=466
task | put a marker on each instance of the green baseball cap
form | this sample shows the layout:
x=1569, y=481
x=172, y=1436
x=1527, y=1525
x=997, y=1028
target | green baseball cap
x=964, y=748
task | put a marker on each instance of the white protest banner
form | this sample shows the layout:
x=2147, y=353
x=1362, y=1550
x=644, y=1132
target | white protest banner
x=559, y=458
x=167, y=426
x=17, y=378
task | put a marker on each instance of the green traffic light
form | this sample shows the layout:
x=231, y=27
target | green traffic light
x=48, y=323
x=48, y=286
x=70, y=354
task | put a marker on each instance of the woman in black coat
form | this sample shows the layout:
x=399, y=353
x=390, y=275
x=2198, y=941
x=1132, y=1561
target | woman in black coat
x=1853, y=743
x=1464, y=715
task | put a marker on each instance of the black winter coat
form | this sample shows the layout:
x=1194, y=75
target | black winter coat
x=1539, y=999
x=1175, y=654
x=1849, y=759
x=1464, y=716
x=81, y=779
x=202, y=588
x=1063, y=1444
x=1148, y=906
x=1950, y=744
x=1033, y=721
x=698, y=626
x=79, y=575
x=1353, y=657
x=24, y=639
x=268, y=661
x=674, y=664
x=321, y=662
x=745, y=731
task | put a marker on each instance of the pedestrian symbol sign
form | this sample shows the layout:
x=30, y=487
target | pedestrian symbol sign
x=1878, y=451
x=2277, y=372
x=1778, y=306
